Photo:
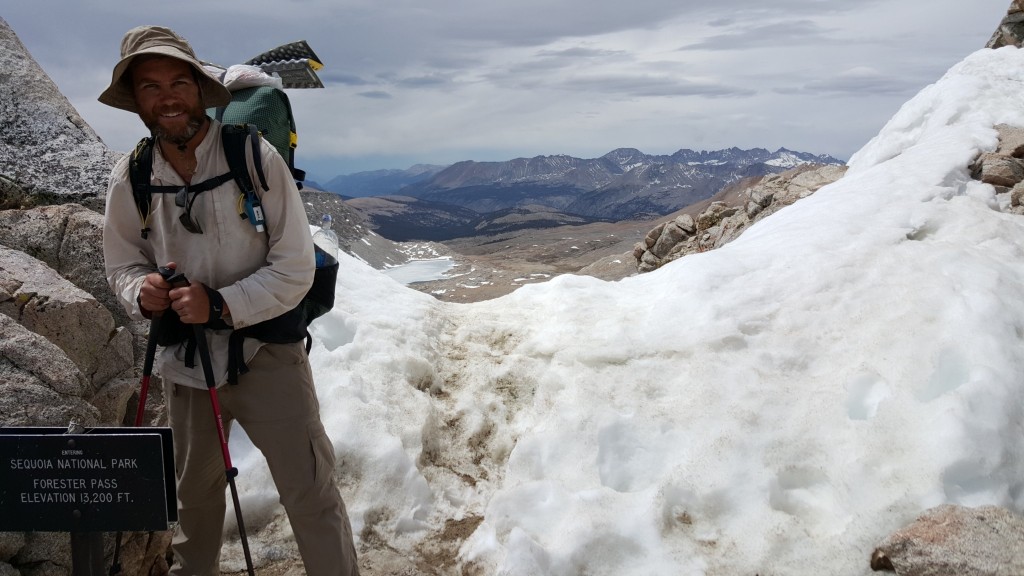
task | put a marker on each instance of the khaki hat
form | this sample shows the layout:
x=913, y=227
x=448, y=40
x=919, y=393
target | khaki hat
x=159, y=41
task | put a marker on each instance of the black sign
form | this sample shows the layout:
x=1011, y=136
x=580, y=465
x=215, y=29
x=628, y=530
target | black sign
x=106, y=480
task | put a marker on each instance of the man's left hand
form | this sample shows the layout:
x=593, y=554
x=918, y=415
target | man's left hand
x=191, y=303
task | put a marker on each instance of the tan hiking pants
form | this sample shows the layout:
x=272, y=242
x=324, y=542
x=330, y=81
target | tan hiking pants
x=276, y=405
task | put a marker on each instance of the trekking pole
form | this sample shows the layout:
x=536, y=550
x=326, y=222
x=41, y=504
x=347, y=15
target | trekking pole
x=178, y=280
x=147, y=372
x=147, y=364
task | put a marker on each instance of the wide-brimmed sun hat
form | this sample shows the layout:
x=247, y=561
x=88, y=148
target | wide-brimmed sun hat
x=159, y=41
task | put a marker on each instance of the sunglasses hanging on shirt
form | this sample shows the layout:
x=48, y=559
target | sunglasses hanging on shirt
x=183, y=199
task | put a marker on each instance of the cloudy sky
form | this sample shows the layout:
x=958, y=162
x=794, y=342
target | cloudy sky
x=436, y=82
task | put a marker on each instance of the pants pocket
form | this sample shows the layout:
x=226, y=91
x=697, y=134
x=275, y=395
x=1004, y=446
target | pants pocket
x=278, y=354
x=323, y=453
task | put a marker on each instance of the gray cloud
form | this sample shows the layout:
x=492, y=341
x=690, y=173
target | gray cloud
x=653, y=86
x=787, y=34
x=578, y=52
x=339, y=78
x=856, y=82
x=375, y=94
x=553, y=60
x=427, y=80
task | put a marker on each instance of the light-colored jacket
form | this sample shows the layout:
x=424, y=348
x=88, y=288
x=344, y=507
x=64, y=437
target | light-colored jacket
x=260, y=274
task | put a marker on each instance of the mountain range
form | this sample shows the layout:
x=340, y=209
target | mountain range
x=478, y=198
x=379, y=182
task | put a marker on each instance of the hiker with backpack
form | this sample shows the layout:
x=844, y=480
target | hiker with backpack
x=247, y=256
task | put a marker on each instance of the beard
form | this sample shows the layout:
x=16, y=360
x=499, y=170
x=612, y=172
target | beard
x=179, y=137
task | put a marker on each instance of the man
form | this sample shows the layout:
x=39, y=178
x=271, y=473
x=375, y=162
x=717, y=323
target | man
x=239, y=277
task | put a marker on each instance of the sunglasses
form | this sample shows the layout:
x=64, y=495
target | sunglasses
x=182, y=200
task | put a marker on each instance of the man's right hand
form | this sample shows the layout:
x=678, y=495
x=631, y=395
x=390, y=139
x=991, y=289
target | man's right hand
x=153, y=296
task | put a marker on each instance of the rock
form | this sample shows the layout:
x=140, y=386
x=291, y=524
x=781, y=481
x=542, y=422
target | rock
x=112, y=399
x=12, y=194
x=39, y=385
x=1010, y=31
x=809, y=179
x=686, y=224
x=38, y=232
x=721, y=222
x=1017, y=194
x=998, y=169
x=638, y=250
x=145, y=553
x=47, y=151
x=44, y=554
x=761, y=196
x=652, y=237
x=1011, y=140
x=752, y=209
x=648, y=262
x=69, y=239
x=950, y=539
x=10, y=544
x=671, y=234
x=714, y=214
x=47, y=304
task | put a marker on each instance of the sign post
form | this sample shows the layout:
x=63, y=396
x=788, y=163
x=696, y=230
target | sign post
x=104, y=480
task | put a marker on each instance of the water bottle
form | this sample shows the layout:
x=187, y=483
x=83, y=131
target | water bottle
x=326, y=243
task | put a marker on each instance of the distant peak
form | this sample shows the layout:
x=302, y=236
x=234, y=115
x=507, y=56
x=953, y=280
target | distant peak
x=623, y=152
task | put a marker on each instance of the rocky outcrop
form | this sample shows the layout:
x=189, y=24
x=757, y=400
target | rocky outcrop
x=1004, y=168
x=723, y=221
x=50, y=306
x=39, y=384
x=48, y=154
x=69, y=239
x=64, y=358
x=1011, y=30
x=49, y=554
x=985, y=541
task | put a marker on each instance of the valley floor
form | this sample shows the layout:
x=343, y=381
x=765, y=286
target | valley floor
x=490, y=267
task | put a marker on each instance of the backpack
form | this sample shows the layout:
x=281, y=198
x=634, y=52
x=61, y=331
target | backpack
x=258, y=95
x=291, y=326
x=269, y=109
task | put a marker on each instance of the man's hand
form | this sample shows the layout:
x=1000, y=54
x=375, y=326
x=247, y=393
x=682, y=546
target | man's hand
x=191, y=303
x=153, y=296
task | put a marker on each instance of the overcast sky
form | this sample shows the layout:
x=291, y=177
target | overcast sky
x=409, y=81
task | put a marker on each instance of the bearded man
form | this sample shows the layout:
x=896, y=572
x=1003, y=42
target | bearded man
x=239, y=276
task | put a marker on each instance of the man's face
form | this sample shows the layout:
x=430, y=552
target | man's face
x=167, y=97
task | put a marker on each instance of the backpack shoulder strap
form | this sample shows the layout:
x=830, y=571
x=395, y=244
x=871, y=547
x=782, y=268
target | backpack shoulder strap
x=140, y=172
x=234, y=137
x=140, y=168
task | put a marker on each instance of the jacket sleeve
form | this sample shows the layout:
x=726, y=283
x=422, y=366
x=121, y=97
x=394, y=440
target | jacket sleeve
x=127, y=257
x=285, y=278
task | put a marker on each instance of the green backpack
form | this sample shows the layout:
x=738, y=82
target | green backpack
x=269, y=110
x=265, y=104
